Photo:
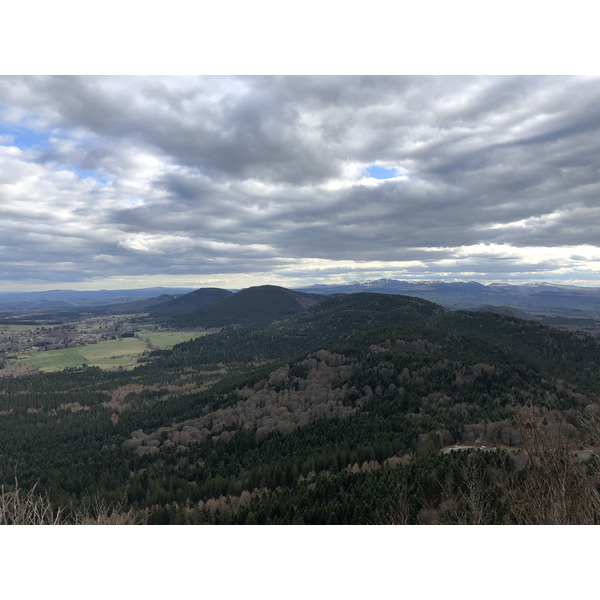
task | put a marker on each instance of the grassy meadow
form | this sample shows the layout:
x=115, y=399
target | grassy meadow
x=123, y=352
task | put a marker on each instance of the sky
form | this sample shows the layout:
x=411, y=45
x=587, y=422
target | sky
x=231, y=181
x=280, y=164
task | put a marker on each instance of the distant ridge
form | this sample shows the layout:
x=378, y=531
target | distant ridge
x=133, y=307
x=70, y=299
x=536, y=298
x=509, y=311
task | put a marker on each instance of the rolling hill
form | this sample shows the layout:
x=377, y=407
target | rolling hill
x=259, y=304
x=176, y=308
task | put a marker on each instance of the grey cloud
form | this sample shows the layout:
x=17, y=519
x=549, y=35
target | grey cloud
x=237, y=169
x=251, y=135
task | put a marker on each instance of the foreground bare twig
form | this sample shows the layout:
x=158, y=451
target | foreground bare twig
x=27, y=508
x=21, y=507
x=556, y=488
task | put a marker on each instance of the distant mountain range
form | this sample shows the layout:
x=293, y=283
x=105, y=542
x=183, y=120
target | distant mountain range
x=187, y=307
x=69, y=299
x=535, y=298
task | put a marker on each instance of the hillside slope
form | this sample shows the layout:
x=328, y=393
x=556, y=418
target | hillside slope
x=131, y=307
x=176, y=308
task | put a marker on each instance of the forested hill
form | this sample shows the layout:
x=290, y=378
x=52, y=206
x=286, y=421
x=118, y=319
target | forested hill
x=177, y=307
x=333, y=319
x=341, y=413
x=259, y=304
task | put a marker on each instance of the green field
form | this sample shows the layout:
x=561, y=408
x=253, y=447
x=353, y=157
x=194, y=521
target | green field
x=168, y=339
x=109, y=354
x=12, y=330
x=56, y=360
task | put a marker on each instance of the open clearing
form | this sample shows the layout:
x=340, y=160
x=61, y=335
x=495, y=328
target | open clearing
x=56, y=360
x=123, y=352
x=168, y=339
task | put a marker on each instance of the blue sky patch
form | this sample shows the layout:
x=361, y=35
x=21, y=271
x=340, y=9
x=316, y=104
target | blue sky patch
x=85, y=174
x=24, y=138
x=380, y=173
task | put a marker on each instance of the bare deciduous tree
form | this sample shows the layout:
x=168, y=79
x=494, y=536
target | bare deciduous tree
x=555, y=487
x=476, y=493
x=20, y=507
x=27, y=508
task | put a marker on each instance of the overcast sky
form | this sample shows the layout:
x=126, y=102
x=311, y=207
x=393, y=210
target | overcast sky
x=118, y=182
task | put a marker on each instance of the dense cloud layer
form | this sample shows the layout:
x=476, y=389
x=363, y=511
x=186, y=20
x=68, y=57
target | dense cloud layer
x=235, y=181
